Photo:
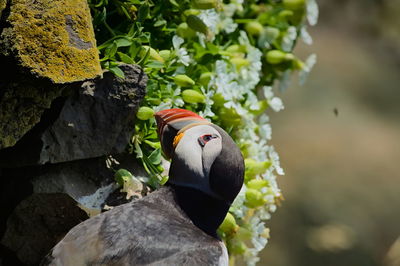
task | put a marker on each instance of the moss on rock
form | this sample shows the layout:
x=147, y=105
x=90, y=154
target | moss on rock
x=3, y=4
x=52, y=38
x=22, y=105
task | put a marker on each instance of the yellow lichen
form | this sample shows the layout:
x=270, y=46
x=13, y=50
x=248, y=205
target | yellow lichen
x=40, y=39
x=22, y=105
x=3, y=4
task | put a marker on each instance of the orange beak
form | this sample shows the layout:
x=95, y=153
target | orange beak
x=173, y=122
x=168, y=116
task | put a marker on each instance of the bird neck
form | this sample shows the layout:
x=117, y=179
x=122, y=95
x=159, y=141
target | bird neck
x=206, y=212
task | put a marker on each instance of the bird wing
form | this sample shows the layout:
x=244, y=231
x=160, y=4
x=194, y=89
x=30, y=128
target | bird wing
x=81, y=245
x=150, y=231
x=210, y=255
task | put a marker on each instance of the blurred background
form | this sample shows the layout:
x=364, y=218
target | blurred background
x=339, y=142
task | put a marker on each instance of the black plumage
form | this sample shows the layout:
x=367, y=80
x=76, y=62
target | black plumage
x=151, y=231
x=176, y=225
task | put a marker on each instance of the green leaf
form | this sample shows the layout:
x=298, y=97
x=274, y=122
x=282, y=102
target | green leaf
x=125, y=12
x=138, y=150
x=143, y=12
x=200, y=50
x=174, y=3
x=100, y=17
x=154, y=64
x=123, y=42
x=144, y=58
x=111, y=50
x=152, y=135
x=132, y=31
x=154, y=145
x=213, y=49
x=134, y=49
x=155, y=157
x=145, y=37
x=160, y=23
x=125, y=58
x=117, y=71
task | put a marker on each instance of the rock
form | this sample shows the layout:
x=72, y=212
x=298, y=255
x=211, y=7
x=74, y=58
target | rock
x=50, y=39
x=96, y=120
x=89, y=182
x=41, y=203
x=3, y=4
x=14, y=187
x=54, y=41
x=77, y=179
x=23, y=102
x=38, y=223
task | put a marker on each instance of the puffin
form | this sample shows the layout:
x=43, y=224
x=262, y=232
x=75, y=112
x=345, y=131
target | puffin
x=176, y=224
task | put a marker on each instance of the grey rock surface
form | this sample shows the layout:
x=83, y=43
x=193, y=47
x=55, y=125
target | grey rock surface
x=99, y=120
x=96, y=119
x=77, y=179
x=38, y=223
x=28, y=196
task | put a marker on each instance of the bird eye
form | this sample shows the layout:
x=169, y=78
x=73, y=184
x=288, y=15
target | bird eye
x=206, y=138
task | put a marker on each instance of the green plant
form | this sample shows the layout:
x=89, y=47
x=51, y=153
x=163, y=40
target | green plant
x=219, y=59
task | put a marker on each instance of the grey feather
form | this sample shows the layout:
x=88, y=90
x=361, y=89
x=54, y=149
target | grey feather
x=151, y=231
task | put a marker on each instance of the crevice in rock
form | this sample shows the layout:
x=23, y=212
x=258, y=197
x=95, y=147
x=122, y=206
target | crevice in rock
x=25, y=151
x=4, y=15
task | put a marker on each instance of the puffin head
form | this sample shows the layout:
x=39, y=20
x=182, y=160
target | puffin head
x=204, y=157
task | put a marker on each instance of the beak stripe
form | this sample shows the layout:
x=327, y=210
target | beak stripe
x=177, y=138
x=164, y=117
x=205, y=122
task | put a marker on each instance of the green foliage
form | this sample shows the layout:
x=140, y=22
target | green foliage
x=218, y=59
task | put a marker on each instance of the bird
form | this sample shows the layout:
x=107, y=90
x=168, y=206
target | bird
x=176, y=224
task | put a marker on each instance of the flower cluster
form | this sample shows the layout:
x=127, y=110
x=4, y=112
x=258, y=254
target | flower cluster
x=221, y=60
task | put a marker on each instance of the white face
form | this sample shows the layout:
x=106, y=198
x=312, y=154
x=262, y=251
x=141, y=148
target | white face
x=196, y=151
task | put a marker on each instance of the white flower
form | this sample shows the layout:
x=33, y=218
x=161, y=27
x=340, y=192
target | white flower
x=312, y=12
x=252, y=101
x=266, y=131
x=267, y=90
x=207, y=112
x=225, y=82
x=228, y=25
x=274, y=158
x=284, y=81
x=305, y=36
x=251, y=257
x=238, y=208
x=265, y=128
x=181, y=52
x=177, y=99
x=309, y=63
x=163, y=106
x=250, y=75
x=211, y=18
x=289, y=38
x=240, y=110
x=276, y=104
x=243, y=39
x=263, y=213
